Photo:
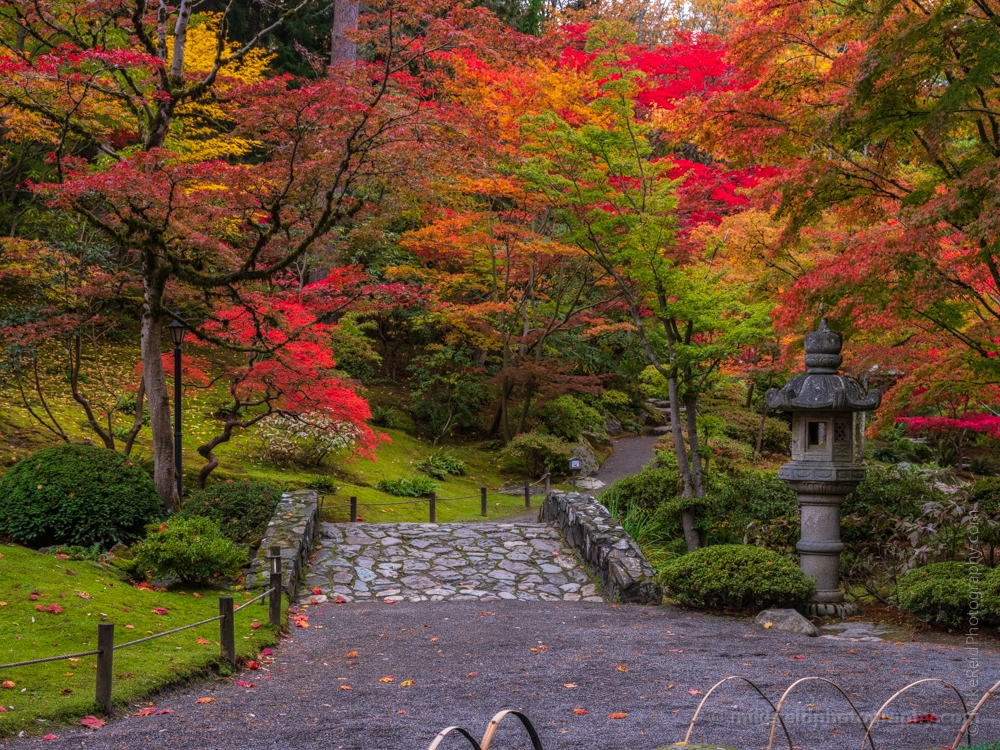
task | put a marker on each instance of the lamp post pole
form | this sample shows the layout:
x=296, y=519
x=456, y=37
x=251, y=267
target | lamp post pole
x=177, y=330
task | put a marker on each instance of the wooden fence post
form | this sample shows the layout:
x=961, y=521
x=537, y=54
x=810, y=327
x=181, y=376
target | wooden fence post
x=105, y=663
x=274, y=599
x=434, y=507
x=227, y=633
x=354, y=510
x=527, y=494
x=482, y=501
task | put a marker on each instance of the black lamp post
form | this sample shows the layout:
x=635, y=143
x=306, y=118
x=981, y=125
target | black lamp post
x=177, y=330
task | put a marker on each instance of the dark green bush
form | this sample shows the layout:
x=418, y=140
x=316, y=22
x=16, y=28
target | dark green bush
x=539, y=452
x=439, y=465
x=76, y=494
x=888, y=493
x=647, y=490
x=735, y=577
x=938, y=593
x=991, y=596
x=241, y=509
x=986, y=494
x=569, y=417
x=415, y=487
x=191, y=549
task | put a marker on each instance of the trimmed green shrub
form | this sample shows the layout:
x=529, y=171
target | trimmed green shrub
x=191, y=549
x=647, y=490
x=735, y=577
x=938, y=593
x=415, y=487
x=439, y=465
x=568, y=417
x=76, y=494
x=990, y=586
x=539, y=452
x=241, y=509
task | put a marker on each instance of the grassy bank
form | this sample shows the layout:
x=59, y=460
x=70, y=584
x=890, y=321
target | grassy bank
x=81, y=595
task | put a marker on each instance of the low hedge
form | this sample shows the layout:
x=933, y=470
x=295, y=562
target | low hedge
x=76, y=495
x=193, y=550
x=735, y=577
x=939, y=593
x=241, y=509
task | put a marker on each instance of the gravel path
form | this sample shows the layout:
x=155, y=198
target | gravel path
x=455, y=562
x=629, y=456
x=470, y=659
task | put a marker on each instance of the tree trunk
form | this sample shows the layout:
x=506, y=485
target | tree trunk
x=750, y=395
x=697, y=482
x=159, y=404
x=343, y=51
x=527, y=395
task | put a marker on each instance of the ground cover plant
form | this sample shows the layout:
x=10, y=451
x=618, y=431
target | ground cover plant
x=52, y=606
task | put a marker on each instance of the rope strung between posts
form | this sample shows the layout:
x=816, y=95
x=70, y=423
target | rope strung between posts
x=49, y=658
x=256, y=598
x=168, y=632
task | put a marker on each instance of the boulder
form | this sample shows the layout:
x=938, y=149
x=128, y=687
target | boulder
x=788, y=620
x=613, y=427
x=588, y=459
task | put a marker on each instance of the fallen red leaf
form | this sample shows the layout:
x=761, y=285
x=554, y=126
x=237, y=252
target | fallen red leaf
x=49, y=736
x=160, y=610
x=317, y=590
x=254, y=625
x=205, y=700
x=617, y=715
x=267, y=652
x=146, y=711
x=163, y=711
x=693, y=691
x=8, y=684
x=923, y=719
x=54, y=609
x=340, y=600
x=253, y=665
x=581, y=711
x=40, y=607
x=196, y=595
x=800, y=658
x=203, y=641
x=244, y=684
x=93, y=722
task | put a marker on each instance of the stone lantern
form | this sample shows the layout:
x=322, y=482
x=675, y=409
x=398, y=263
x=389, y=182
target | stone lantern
x=823, y=469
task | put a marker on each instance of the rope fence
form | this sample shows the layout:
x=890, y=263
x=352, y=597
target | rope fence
x=106, y=646
x=432, y=500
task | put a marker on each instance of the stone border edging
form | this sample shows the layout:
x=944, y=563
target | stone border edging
x=292, y=527
x=605, y=545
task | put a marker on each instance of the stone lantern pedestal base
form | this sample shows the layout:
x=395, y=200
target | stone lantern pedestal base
x=839, y=610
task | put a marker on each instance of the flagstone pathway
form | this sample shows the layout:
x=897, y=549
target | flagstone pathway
x=419, y=562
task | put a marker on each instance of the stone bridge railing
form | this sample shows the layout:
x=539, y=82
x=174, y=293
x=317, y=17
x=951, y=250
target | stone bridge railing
x=605, y=545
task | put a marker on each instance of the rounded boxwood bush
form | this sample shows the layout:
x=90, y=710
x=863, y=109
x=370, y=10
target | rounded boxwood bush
x=735, y=577
x=940, y=593
x=191, y=549
x=76, y=494
x=241, y=509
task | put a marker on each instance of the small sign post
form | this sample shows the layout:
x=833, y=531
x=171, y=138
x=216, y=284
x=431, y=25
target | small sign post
x=574, y=465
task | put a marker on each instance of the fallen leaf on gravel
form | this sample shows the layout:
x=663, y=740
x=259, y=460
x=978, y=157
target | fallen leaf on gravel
x=570, y=685
x=885, y=717
x=93, y=722
x=852, y=651
x=8, y=684
x=768, y=624
x=923, y=719
x=390, y=601
x=340, y=600
x=266, y=652
x=436, y=639
x=800, y=658
x=163, y=711
x=160, y=610
x=387, y=678
x=51, y=737
x=617, y=715
x=581, y=711
x=674, y=651
x=472, y=674
x=693, y=691
x=146, y=711
x=345, y=687
x=622, y=667
x=351, y=655
x=407, y=683
x=401, y=711
x=485, y=614
x=254, y=625
x=205, y=700
x=244, y=684
x=253, y=665
x=317, y=590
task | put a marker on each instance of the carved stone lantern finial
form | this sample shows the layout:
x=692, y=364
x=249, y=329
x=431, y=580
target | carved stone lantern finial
x=822, y=470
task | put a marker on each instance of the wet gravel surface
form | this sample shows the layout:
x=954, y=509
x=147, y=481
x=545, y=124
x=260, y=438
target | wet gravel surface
x=553, y=660
x=629, y=456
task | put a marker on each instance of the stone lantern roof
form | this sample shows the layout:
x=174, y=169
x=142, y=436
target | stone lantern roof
x=822, y=387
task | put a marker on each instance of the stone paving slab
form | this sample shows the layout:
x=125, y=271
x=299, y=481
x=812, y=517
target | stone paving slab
x=428, y=562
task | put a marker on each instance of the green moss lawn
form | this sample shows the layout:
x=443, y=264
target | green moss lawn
x=46, y=695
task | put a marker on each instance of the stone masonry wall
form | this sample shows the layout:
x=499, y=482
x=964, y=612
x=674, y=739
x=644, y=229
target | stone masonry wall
x=605, y=545
x=293, y=528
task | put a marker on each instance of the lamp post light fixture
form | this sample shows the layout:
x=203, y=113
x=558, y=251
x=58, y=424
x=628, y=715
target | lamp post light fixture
x=823, y=469
x=177, y=331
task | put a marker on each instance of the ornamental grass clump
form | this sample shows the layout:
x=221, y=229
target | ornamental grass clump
x=735, y=577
